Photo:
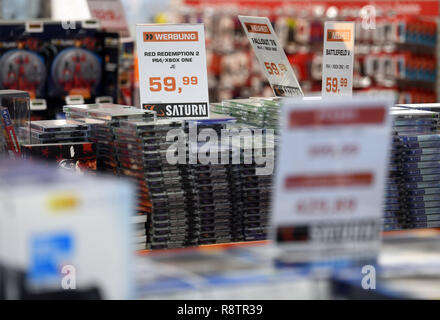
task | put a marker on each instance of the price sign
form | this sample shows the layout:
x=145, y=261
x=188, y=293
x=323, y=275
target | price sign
x=173, y=77
x=271, y=56
x=331, y=176
x=110, y=14
x=337, y=66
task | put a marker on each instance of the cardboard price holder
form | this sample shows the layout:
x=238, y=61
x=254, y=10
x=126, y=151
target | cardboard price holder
x=271, y=56
x=331, y=175
x=173, y=78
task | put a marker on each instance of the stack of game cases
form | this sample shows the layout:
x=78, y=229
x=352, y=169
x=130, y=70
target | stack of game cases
x=272, y=111
x=190, y=202
x=103, y=119
x=394, y=208
x=3, y=144
x=213, y=188
x=395, y=217
x=56, y=131
x=420, y=165
x=421, y=168
x=142, y=151
x=215, y=185
x=263, y=113
x=255, y=188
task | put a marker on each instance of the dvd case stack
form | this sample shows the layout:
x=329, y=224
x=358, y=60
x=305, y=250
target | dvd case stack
x=255, y=188
x=422, y=169
x=259, y=112
x=3, y=146
x=212, y=200
x=190, y=201
x=7, y=129
x=17, y=104
x=102, y=119
x=102, y=135
x=215, y=185
x=142, y=151
x=57, y=131
x=420, y=165
x=394, y=208
x=271, y=111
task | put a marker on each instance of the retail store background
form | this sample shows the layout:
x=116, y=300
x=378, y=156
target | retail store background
x=406, y=67
x=384, y=60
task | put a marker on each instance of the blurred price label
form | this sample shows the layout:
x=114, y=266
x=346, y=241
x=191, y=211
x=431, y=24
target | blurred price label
x=331, y=173
x=271, y=56
x=337, y=65
x=110, y=14
x=173, y=77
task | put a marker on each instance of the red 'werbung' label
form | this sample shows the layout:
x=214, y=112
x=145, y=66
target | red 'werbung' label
x=171, y=36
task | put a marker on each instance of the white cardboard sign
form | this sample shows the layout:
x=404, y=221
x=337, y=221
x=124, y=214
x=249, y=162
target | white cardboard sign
x=271, y=56
x=337, y=64
x=173, y=78
x=331, y=173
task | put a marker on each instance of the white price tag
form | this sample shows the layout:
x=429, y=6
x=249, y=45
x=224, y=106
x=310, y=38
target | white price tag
x=110, y=14
x=173, y=78
x=271, y=56
x=337, y=65
x=331, y=175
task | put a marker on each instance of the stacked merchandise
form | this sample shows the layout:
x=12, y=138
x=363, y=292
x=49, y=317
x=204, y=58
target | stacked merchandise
x=142, y=151
x=102, y=135
x=102, y=118
x=424, y=167
x=57, y=131
x=215, y=186
x=394, y=208
x=3, y=145
x=185, y=203
x=78, y=157
x=255, y=189
x=420, y=165
x=9, y=142
x=262, y=113
x=17, y=104
x=271, y=111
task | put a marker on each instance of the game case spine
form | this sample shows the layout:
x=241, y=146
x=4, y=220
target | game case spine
x=11, y=137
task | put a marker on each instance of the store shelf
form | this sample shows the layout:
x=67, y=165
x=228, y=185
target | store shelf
x=219, y=246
